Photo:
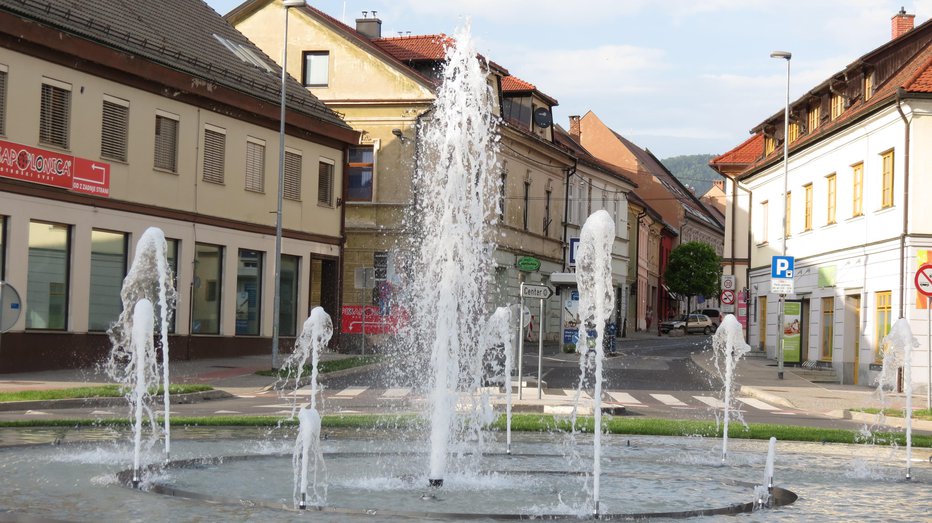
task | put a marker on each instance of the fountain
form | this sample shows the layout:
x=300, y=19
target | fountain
x=729, y=346
x=897, y=349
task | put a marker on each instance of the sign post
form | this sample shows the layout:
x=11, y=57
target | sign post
x=923, y=283
x=781, y=282
x=541, y=293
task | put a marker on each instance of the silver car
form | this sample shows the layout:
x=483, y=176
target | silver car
x=697, y=323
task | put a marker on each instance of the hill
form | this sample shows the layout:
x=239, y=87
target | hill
x=693, y=170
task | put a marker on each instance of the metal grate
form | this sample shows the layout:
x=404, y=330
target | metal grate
x=292, y=189
x=214, y=155
x=166, y=143
x=114, y=131
x=255, y=167
x=54, y=116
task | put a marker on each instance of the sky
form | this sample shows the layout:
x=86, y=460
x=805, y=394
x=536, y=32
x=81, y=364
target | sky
x=673, y=76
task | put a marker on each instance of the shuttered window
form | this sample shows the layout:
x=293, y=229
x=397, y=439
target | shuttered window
x=54, y=116
x=215, y=146
x=325, y=184
x=114, y=129
x=255, y=166
x=166, y=143
x=292, y=189
x=3, y=75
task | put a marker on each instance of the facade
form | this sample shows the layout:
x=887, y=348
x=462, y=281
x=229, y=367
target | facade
x=105, y=134
x=856, y=222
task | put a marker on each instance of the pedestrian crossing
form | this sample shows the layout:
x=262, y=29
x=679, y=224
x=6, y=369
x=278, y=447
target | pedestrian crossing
x=631, y=399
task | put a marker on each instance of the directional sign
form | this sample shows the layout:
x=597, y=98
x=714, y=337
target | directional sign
x=923, y=279
x=728, y=297
x=541, y=292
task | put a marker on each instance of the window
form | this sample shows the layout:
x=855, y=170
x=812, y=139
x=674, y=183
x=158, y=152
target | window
x=208, y=276
x=215, y=147
x=883, y=308
x=807, y=219
x=838, y=105
x=887, y=195
x=857, y=171
x=502, y=192
x=868, y=85
x=830, y=186
x=765, y=220
x=244, y=53
x=47, y=280
x=172, y=259
x=55, y=113
x=361, y=163
x=293, y=168
x=316, y=68
x=325, y=183
x=108, y=267
x=248, y=292
x=114, y=129
x=787, y=226
x=828, y=327
x=255, y=165
x=288, y=295
x=794, y=131
x=2, y=247
x=571, y=200
x=527, y=203
x=547, y=219
x=770, y=143
x=166, y=142
x=3, y=82
x=813, y=117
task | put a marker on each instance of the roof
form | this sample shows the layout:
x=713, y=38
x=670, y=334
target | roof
x=564, y=139
x=749, y=151
x=416, y=48
x=921, y=82
x=514, y=85
x=142, y=28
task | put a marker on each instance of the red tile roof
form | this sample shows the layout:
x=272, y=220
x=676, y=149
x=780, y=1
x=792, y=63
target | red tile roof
x=921, y=82
x=415, y=48
x=515, y=84
x=746, y=153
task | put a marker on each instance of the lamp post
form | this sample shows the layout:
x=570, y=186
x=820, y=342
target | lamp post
x=276, y=297
x=786, y=55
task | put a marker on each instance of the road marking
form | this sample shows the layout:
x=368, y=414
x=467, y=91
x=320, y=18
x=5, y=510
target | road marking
x=667, y=399
x=351, y=392
x=36, y=413
x=624, y=398
x=227, y=412
x=102, y=413
x=280, y=406
x=572, y=394
x=396, y=393
x=757, y=404
x=710, y=401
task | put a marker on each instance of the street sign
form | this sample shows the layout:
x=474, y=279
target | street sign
x=729, y=282
x=574, y=246
x=10, y=306
x=728, y=297
x=528, y=264
x=923, y=279
x=541, y=292
x=781, y=275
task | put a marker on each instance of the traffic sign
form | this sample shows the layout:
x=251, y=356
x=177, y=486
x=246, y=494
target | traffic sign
x=541, y=292
x=729, y=281
x=781, y=267
x=10, y=306
x=728, y=297
x=923, y=279
x=574, y=246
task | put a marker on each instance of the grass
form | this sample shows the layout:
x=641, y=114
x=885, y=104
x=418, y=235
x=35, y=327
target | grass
x=325, y=367
x=532, y=423
x=923, y=414
x=103, y=391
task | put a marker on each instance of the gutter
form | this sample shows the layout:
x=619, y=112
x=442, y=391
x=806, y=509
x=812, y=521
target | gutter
x=900, y=93
x=570, y=171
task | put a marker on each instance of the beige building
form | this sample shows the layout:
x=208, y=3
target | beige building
x=104, y=133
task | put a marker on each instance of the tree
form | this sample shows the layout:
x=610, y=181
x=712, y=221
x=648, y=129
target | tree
x=693, y=270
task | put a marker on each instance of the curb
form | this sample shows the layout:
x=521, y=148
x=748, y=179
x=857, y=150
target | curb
x=323, y=378
x=79, y=403
x=755, y=392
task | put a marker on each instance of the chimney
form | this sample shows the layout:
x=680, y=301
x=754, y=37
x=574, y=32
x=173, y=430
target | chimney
x=574, y=127
x=902, y=24
x=720, y=184
x=371, y=28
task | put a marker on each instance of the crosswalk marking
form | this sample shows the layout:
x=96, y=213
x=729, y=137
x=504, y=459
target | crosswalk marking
x=624, y=398
x=667, y=399
x=351, y=392
x=710, y=401
x=757, y=404
x=396, y=393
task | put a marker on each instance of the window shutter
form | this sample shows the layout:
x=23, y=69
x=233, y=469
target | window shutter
x=325, y=184
x=214, y=155
x=114, y=131
x=255, y=167
x=54, y=116
x=3, y=76
x=292, y=189
x=166, y=143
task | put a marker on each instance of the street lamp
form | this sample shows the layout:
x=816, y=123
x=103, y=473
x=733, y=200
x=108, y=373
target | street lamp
x=276, y=298
x=786, y=55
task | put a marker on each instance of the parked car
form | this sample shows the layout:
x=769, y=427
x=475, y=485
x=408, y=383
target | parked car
x=697, y=323
x=715, y=315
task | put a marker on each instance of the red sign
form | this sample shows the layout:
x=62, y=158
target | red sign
x=923, y=280
x=351, y=321
x=728, y=297
x=31, y=164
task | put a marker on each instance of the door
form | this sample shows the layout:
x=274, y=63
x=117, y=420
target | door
x=852, y=345
x=762, y=322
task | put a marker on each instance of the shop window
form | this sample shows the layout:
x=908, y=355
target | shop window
x=108, y=268
x=208, y=276
x=883, y=310
x=48, y=278
x=828, y=327
x=248, y=292
x=288, y=295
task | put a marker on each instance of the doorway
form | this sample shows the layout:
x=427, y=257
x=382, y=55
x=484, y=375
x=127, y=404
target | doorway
x=762, y=322
x=852, y=337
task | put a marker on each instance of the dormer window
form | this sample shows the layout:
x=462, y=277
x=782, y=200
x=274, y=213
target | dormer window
x=770, y=143
x=868, y=85
x=813, y=117
x=794, y=131
x=838, y=105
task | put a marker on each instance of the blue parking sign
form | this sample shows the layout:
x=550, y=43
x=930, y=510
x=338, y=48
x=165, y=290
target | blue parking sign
x=781, y=267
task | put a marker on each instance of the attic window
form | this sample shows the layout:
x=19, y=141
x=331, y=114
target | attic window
x=244, y=53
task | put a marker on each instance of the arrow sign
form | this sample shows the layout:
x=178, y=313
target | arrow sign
x=923, y=279
x=541, y=292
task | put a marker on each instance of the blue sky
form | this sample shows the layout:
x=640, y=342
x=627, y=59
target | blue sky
x=674, y=76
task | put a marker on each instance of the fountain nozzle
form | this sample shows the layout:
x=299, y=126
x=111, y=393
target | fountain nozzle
x=435, y=483
x=135, y=481
x=303, y=504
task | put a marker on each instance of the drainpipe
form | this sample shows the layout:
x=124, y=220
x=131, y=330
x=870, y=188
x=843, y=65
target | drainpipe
x=570, y=171
x=900, y=93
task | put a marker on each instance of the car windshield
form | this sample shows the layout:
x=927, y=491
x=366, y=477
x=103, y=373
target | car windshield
x=681, y=317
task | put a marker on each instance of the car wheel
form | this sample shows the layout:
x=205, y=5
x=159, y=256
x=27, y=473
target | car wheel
x=707, y=330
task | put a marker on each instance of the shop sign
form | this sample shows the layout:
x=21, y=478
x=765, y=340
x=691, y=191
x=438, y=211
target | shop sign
x=31, y=164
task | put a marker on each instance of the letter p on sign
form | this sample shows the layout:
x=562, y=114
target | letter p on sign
x=781, y=267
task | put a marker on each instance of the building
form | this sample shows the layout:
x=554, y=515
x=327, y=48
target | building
x=856, y=221
x=109, y=128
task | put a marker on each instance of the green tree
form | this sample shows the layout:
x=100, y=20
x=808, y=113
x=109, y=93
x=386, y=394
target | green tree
x=693, y=270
